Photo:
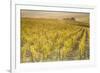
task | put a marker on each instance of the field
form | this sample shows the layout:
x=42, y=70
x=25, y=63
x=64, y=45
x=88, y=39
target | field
x=44, y=40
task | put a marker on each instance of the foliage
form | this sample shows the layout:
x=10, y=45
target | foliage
x=52, y=40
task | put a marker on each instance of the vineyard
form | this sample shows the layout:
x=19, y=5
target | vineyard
x=44, y=40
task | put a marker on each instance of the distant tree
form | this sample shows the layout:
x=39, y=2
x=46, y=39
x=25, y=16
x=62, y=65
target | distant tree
x=72, y=18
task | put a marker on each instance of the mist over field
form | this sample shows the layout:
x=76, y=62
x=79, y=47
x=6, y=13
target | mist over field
x=79, y=16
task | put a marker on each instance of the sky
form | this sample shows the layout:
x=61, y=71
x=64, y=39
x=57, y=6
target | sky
x=84, y=17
